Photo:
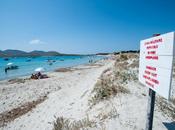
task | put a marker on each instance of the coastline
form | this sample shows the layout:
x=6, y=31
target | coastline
x=14, y=95
x=58, y=63
x=105, y=95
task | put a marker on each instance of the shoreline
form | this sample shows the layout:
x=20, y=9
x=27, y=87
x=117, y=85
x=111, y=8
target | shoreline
x=49, y=71
x=104, y=95
x=15, y=95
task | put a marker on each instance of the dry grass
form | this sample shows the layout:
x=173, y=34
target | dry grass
x=66, y=124
x=124, y=71
x=105, y=92
x=84, y=124
x=133, y=56
x=121, y=65
x=17, y=80
x=106, y=87
x=63, y=70
x=107, y=70
x=123, y=77
x=123, y=57
x=122, y=61
x=166, y=107
x=135, y=64
x=113, y=80
x=9, y=116
x=173, y=101
x=108, y=115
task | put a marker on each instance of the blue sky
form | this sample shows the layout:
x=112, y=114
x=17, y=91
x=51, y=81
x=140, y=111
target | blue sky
x=82, y=26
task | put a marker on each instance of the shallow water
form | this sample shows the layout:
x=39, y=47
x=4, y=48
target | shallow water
x=27, y=65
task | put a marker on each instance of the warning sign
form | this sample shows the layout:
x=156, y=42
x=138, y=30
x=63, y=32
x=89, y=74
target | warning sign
x=156, y=63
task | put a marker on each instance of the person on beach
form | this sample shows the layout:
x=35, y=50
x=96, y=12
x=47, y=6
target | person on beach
x=39, y=75
x=90, y=61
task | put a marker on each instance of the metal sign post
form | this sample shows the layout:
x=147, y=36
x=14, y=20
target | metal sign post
x=151, y=102
x=150, y=109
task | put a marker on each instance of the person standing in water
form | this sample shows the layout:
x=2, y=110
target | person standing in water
x=5, y=70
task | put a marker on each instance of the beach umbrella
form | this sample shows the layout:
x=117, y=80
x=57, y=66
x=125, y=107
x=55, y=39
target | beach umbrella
x=40, y=69
x=10, y=64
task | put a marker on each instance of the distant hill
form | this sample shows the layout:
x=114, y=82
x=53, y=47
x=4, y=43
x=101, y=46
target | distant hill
x=19, y=53
x=2, y=54
x=43, y=53
x=11, y=53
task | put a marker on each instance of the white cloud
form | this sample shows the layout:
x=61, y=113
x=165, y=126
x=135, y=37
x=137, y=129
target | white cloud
x=36, y=42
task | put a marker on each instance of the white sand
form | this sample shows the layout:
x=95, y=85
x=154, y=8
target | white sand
x=68, y=96
x=60, y=101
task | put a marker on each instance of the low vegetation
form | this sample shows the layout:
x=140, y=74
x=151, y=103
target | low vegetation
x=173, y=101
x=105, y=89
x=66, y=124
x=113, y=80
x=84, y=124
x=63, y=70
x=123, y=57
x=17, y=80
x=11, y=115
x=166, y=107
x=108, y=115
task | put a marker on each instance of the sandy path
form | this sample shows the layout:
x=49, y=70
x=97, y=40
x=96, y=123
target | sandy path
x=65, y=92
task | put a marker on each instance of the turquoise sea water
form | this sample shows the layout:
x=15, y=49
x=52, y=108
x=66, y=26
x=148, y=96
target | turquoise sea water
x=27, y=65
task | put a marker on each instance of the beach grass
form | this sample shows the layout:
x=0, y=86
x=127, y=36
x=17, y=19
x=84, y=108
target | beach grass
x=66, y=124
x=11, y=115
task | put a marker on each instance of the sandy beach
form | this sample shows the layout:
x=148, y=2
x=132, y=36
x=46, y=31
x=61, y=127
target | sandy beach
x=74, y=94
x=87, y=65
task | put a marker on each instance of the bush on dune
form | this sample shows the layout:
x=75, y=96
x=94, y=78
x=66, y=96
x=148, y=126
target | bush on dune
x=113, y=80
x=106, y=87
x=66, y=124
x=123, y=57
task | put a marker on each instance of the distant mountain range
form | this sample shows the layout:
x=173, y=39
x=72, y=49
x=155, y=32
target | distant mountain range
x=19, y=53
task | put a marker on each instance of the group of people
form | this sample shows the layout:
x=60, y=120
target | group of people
x=90, y=61
x=38, y=76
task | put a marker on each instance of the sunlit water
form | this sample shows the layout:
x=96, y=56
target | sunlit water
x=27, y=67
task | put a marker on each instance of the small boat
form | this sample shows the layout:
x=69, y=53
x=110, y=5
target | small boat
x=13, y=67
x=28, y=60
x=6, y=59
x=51, y=63
x=49, y=59
x=10, y=66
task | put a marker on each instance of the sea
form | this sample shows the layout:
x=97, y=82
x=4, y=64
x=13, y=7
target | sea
x=28, y=65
